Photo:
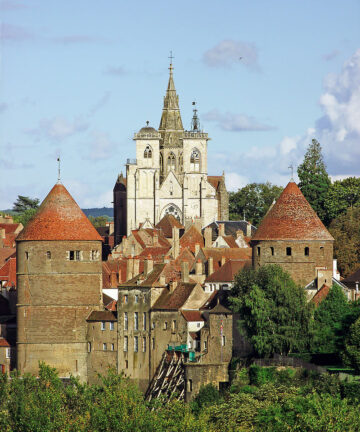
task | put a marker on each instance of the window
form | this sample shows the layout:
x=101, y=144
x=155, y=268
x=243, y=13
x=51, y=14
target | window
x=126, y=299
x=48, y=255
x=94, y=255
x=112, y=347
x=126, y=321
x=26, y=255
x=306, y=251
x=189, y=385
x=171, y=162
x=173, y=325
x=272, y=251
x=8, y=353
x=126, y=343
x=144, y=344
x=165, y=325
x=288, y=251
x=195, y=160
x=136, y=320
x=153, y=343
x=126, y=364
x=144, y=320
x=136, y=298
x=136, y=344
x=153, y=325
x=258, y=251
x=223, y=341
x=89, y=346
x=74, y=255
x=103, y=325
x=104, y=346
x=112, y=325
x=198, y=325
x=205, y=345
x=148, y=152
x=321, y=250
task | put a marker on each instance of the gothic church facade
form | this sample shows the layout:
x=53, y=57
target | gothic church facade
x=169, y=175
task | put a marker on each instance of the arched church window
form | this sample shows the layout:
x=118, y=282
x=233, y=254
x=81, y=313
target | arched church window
x=148, y=152
x=195, y=160
x=171, y=162
x=173, y=210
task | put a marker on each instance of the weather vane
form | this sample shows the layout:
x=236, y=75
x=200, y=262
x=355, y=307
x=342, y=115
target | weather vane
x=171, y=57
x=59, y=169
x=291, y=167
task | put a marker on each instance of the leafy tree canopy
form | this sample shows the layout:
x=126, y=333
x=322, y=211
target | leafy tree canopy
x=351, y=354
x=346, y=231
x=274, y=310
x=24, y=203
x=314, y=179
x=253, y=201
x=330, y=322
x=342, y=194
x=98, y=221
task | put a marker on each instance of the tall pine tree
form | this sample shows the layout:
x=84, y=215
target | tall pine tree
x=314, y=179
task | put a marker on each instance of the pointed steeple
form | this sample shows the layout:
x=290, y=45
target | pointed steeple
x=171, y=124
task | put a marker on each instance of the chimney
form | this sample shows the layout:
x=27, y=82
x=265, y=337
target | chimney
x=113, y=279
x=129, y=268
x=136, y=266
x=208, y=237
x=198, y=267
x=221, y=229
x=248, y=230
x=2, y=231
x=166, y=259
x=210, y=265
x=185, y=271
x=176, y=242
x=148, y=265
x=155, y=239
x=198, y=223
x=223, y=260
x=162, y=280
x=173, y=285
x=239, y=233
x=197, y=248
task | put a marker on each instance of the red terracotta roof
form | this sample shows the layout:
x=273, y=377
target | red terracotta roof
x=190, y=238
x=230, y=241
x=59, y=218
x=227, y=253
x=185, y=255
x=192, y=315
x=9, y=227
x=5, y=253
x=105, y=315
x=167, y=223
x=176, y=299
x=227, y=272
x=4, y=343
x=320, y=295
x=156, y=253
x=292, y=218
x=111, y=306
x=8, y=272
x=214, y=181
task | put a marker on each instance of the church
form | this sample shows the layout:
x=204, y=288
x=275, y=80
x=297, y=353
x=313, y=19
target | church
x=169, y=175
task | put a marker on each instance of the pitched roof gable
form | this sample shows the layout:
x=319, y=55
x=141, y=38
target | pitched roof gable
x=292, y=218
x=191, y=237
x=227, y=272
x=59, y=218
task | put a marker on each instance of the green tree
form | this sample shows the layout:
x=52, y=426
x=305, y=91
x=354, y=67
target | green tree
x=98, y=221
x=342, y=194
x=351, y=355
x=253, y=201
x=274, y=310
x=24, y=203
x=330, y=322
x=346, y=231
x=314, y=179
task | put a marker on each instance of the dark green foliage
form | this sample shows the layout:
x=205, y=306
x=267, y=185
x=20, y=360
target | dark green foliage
x=346, y=231
x=24, y=203
x=314, y=180
x=351, y=354
x=274, y=311
x=330, y=319
x=24, y=217
x=261, y=375
x=104, y=211
x=342, y=194
x=208, y=395
x=99, y=221
x=253, y=201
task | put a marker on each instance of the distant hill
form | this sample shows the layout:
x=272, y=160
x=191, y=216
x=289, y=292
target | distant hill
x=95, y=212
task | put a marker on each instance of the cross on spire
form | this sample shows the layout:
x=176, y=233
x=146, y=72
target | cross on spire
x=59, y=169
x=171, y=57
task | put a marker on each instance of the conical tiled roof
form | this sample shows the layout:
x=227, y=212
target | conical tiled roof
x=59, y=218
x=292, y=218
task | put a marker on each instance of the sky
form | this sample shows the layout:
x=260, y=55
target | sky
x=79, y=78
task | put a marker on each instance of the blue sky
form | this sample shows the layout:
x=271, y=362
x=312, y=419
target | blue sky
x=78, y=78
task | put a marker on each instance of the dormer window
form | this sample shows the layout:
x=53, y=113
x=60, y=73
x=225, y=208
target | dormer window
x=195, y=160
x=148, y=152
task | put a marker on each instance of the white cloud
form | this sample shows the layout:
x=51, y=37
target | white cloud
x=235, y=181
x=100, y=147
x=58, y=128
x=229, y=52
x=235, y=122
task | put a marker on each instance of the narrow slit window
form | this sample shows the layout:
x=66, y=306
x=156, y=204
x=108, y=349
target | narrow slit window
x=288, y=251
x=258, y=250
x=272, y=251
x=306, y=251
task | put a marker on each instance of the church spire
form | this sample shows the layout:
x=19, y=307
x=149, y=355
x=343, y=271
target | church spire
x=170, y=119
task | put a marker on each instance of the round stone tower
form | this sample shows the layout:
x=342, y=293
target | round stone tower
x=59, y=282
x=292, y=235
